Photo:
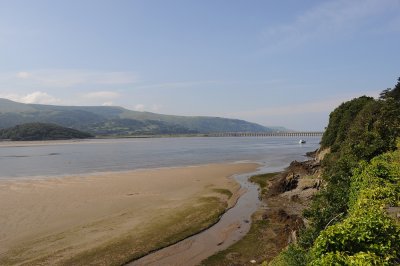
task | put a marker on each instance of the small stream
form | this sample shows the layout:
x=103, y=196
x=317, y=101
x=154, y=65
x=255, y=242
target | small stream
x=233, y=225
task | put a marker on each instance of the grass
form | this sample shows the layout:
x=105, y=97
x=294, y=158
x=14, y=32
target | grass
x=165, y=232
x=161, y=232
x=251, y=246
x=262, y=180
x=224, y=191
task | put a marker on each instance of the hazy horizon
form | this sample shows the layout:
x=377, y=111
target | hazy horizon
x=286, y=63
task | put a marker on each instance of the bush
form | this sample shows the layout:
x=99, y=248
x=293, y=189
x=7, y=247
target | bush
x=340, y=258
x=368, y=233
x=293, y=256
x=349, y=224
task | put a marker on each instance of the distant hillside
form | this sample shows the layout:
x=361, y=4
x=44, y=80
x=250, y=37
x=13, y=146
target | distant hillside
x=41, y=131
x=109, y=120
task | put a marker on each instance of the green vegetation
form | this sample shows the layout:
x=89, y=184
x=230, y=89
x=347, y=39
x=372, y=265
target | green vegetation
x=293, y=255
x=139, y=241
x=109, y=120
x=251, y=246
x=41, y=131
x=349, y=220
x=261, y=180
x=224, y=191
x=173, y=229
x=368, y=235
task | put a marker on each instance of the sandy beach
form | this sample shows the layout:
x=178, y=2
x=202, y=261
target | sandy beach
x=110, y=217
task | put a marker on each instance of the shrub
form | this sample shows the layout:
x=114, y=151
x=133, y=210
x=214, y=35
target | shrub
x=368, y=233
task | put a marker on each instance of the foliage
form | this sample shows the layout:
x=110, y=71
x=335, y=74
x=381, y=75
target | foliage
x=349, y=224
x=392, y=93
x=292, y=256
x=331, y=203
x=374, y=130
x=358, y=131
x=340, y=121
x=40, y=131
x=341, y=258
x=368, y=233
x=262, y=181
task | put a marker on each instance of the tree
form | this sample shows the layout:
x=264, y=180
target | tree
x=392, y=93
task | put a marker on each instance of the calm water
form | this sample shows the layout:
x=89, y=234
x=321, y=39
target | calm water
x=129, y=154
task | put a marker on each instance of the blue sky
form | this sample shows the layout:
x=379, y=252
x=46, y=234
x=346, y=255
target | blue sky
x=282, y=63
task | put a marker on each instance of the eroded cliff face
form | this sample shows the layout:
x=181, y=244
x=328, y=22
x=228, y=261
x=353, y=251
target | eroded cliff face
x=320, y=154
x=288, y=194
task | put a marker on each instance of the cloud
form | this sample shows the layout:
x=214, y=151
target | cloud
x=327, y=21
x=101, y=95
x=64, y=78
x=178, y=85
x=23, y=75
x=152, y=108
x=156, y=107
x=140, y=107
x=34, y=97
x=104, y=98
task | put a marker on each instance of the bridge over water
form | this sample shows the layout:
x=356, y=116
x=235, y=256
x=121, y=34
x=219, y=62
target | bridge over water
x=268, y=134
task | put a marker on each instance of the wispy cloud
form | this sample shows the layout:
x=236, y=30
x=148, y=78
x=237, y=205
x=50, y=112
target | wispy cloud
x=108, y=104
x=64, y=78
x=23, y=75
x=34, y=97
x=101, y=95
x=151, y=108
x=177, y=85
x=105, y=98
x=327, y=20
x=321, y=106
x=140, y=107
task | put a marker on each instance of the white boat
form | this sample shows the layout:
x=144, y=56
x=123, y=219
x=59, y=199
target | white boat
x=302, y=141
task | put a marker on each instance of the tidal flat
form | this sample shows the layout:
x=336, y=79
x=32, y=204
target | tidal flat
x=111, y=218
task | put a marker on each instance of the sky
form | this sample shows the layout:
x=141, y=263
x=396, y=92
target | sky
x=277, y=63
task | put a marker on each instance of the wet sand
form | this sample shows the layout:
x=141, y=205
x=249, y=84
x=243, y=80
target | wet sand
x=233, y=225
x=57, y=218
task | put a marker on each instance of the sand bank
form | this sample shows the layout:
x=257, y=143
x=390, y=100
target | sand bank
x=110, y=217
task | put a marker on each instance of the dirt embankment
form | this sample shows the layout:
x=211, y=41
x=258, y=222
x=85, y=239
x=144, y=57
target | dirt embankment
x=288, y=194
x=278, y=221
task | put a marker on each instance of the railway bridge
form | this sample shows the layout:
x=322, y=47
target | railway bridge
x=268, y=134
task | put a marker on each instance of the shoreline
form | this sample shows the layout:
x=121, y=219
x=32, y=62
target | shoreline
x=277, y=222
x=43, y=217
x=129, y=171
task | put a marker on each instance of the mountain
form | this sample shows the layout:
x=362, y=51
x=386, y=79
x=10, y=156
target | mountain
x=42, y=131
x=110, y=120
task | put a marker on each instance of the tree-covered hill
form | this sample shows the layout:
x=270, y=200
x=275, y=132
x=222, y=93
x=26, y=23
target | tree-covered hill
x=353, y=220
x=106, y=120
x=41, y=131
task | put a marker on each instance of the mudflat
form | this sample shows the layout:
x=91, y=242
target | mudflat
x=110, y=218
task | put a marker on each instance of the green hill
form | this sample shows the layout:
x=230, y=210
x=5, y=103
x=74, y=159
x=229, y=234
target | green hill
x=41, y=131
x=108, y=120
